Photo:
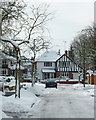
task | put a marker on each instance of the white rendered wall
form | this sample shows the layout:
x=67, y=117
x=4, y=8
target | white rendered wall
x=75, y=75
x=40, y=66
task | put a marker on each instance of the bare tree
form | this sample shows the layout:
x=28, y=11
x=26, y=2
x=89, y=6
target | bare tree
x=84, y=49
x=18, y=60
x=36, y=30
x=18, y=23
x=12, y=17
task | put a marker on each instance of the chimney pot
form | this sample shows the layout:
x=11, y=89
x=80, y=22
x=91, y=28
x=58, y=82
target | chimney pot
x=65, y=52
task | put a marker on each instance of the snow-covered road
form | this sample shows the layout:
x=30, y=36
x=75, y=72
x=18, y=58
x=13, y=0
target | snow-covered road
x=68, y=101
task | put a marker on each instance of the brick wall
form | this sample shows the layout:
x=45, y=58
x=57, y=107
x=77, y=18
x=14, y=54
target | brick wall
x=9, y=71
x=57, y=74
x=70, y=75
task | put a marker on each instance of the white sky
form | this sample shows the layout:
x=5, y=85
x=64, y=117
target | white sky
x=70, y=17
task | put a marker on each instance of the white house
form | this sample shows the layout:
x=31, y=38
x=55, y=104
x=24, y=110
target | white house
x=46, y=65
x=51, y=65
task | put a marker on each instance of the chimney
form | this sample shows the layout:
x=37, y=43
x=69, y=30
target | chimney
x=65, y=52
x=69, y=54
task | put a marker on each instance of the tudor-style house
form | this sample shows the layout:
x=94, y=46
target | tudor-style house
x=65, y=66
x=52, y=65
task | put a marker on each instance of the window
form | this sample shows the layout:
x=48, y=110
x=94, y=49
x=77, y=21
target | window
x=64, y=64
x=11, y=63
x=4, y=62
x=4, y=72
x=51, y=75
x=48, y=64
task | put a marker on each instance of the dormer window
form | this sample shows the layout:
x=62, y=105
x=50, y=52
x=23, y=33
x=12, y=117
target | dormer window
x=48, y=64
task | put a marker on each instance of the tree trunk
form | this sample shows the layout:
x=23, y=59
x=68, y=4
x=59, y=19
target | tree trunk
x=33, y=73
x=0, y=28
x=84, y=76
x=19, y=71
x=79, y=79
x=33, y=65
x=0, y=19
x=16, y=74
x=18, y=84
x=17, y=89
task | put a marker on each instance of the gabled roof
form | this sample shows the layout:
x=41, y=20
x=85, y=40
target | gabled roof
x=69, y=59
x=49, y=56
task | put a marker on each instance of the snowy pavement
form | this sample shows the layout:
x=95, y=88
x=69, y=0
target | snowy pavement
x=68, y=101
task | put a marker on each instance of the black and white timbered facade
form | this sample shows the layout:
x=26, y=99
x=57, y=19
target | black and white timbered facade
x=65, y=66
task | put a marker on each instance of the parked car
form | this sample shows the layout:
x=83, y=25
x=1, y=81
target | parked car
x=51, y=84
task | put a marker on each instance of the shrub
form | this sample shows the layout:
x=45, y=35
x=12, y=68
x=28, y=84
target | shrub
x=8, y=80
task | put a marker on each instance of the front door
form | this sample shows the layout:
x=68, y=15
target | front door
x=48, y=75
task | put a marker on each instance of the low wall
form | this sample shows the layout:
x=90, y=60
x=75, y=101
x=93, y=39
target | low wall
x=67, y=82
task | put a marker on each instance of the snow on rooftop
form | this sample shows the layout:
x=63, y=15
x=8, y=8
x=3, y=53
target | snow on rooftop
x=48, y=70
x=90, y=71
x=49, y=56
x=7, y=56
x=27, y=63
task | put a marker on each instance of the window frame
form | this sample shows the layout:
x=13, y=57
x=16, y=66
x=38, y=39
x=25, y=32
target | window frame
x=47, y=64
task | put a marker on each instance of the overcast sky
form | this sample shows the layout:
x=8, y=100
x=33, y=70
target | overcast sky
x=70, y=17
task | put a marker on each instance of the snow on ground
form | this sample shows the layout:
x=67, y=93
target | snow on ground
x=1, y=112
x=17, y=105
x=39, y=89
x=88, y=90
x=27, y=100
x=29, y=96
x=0, y=105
